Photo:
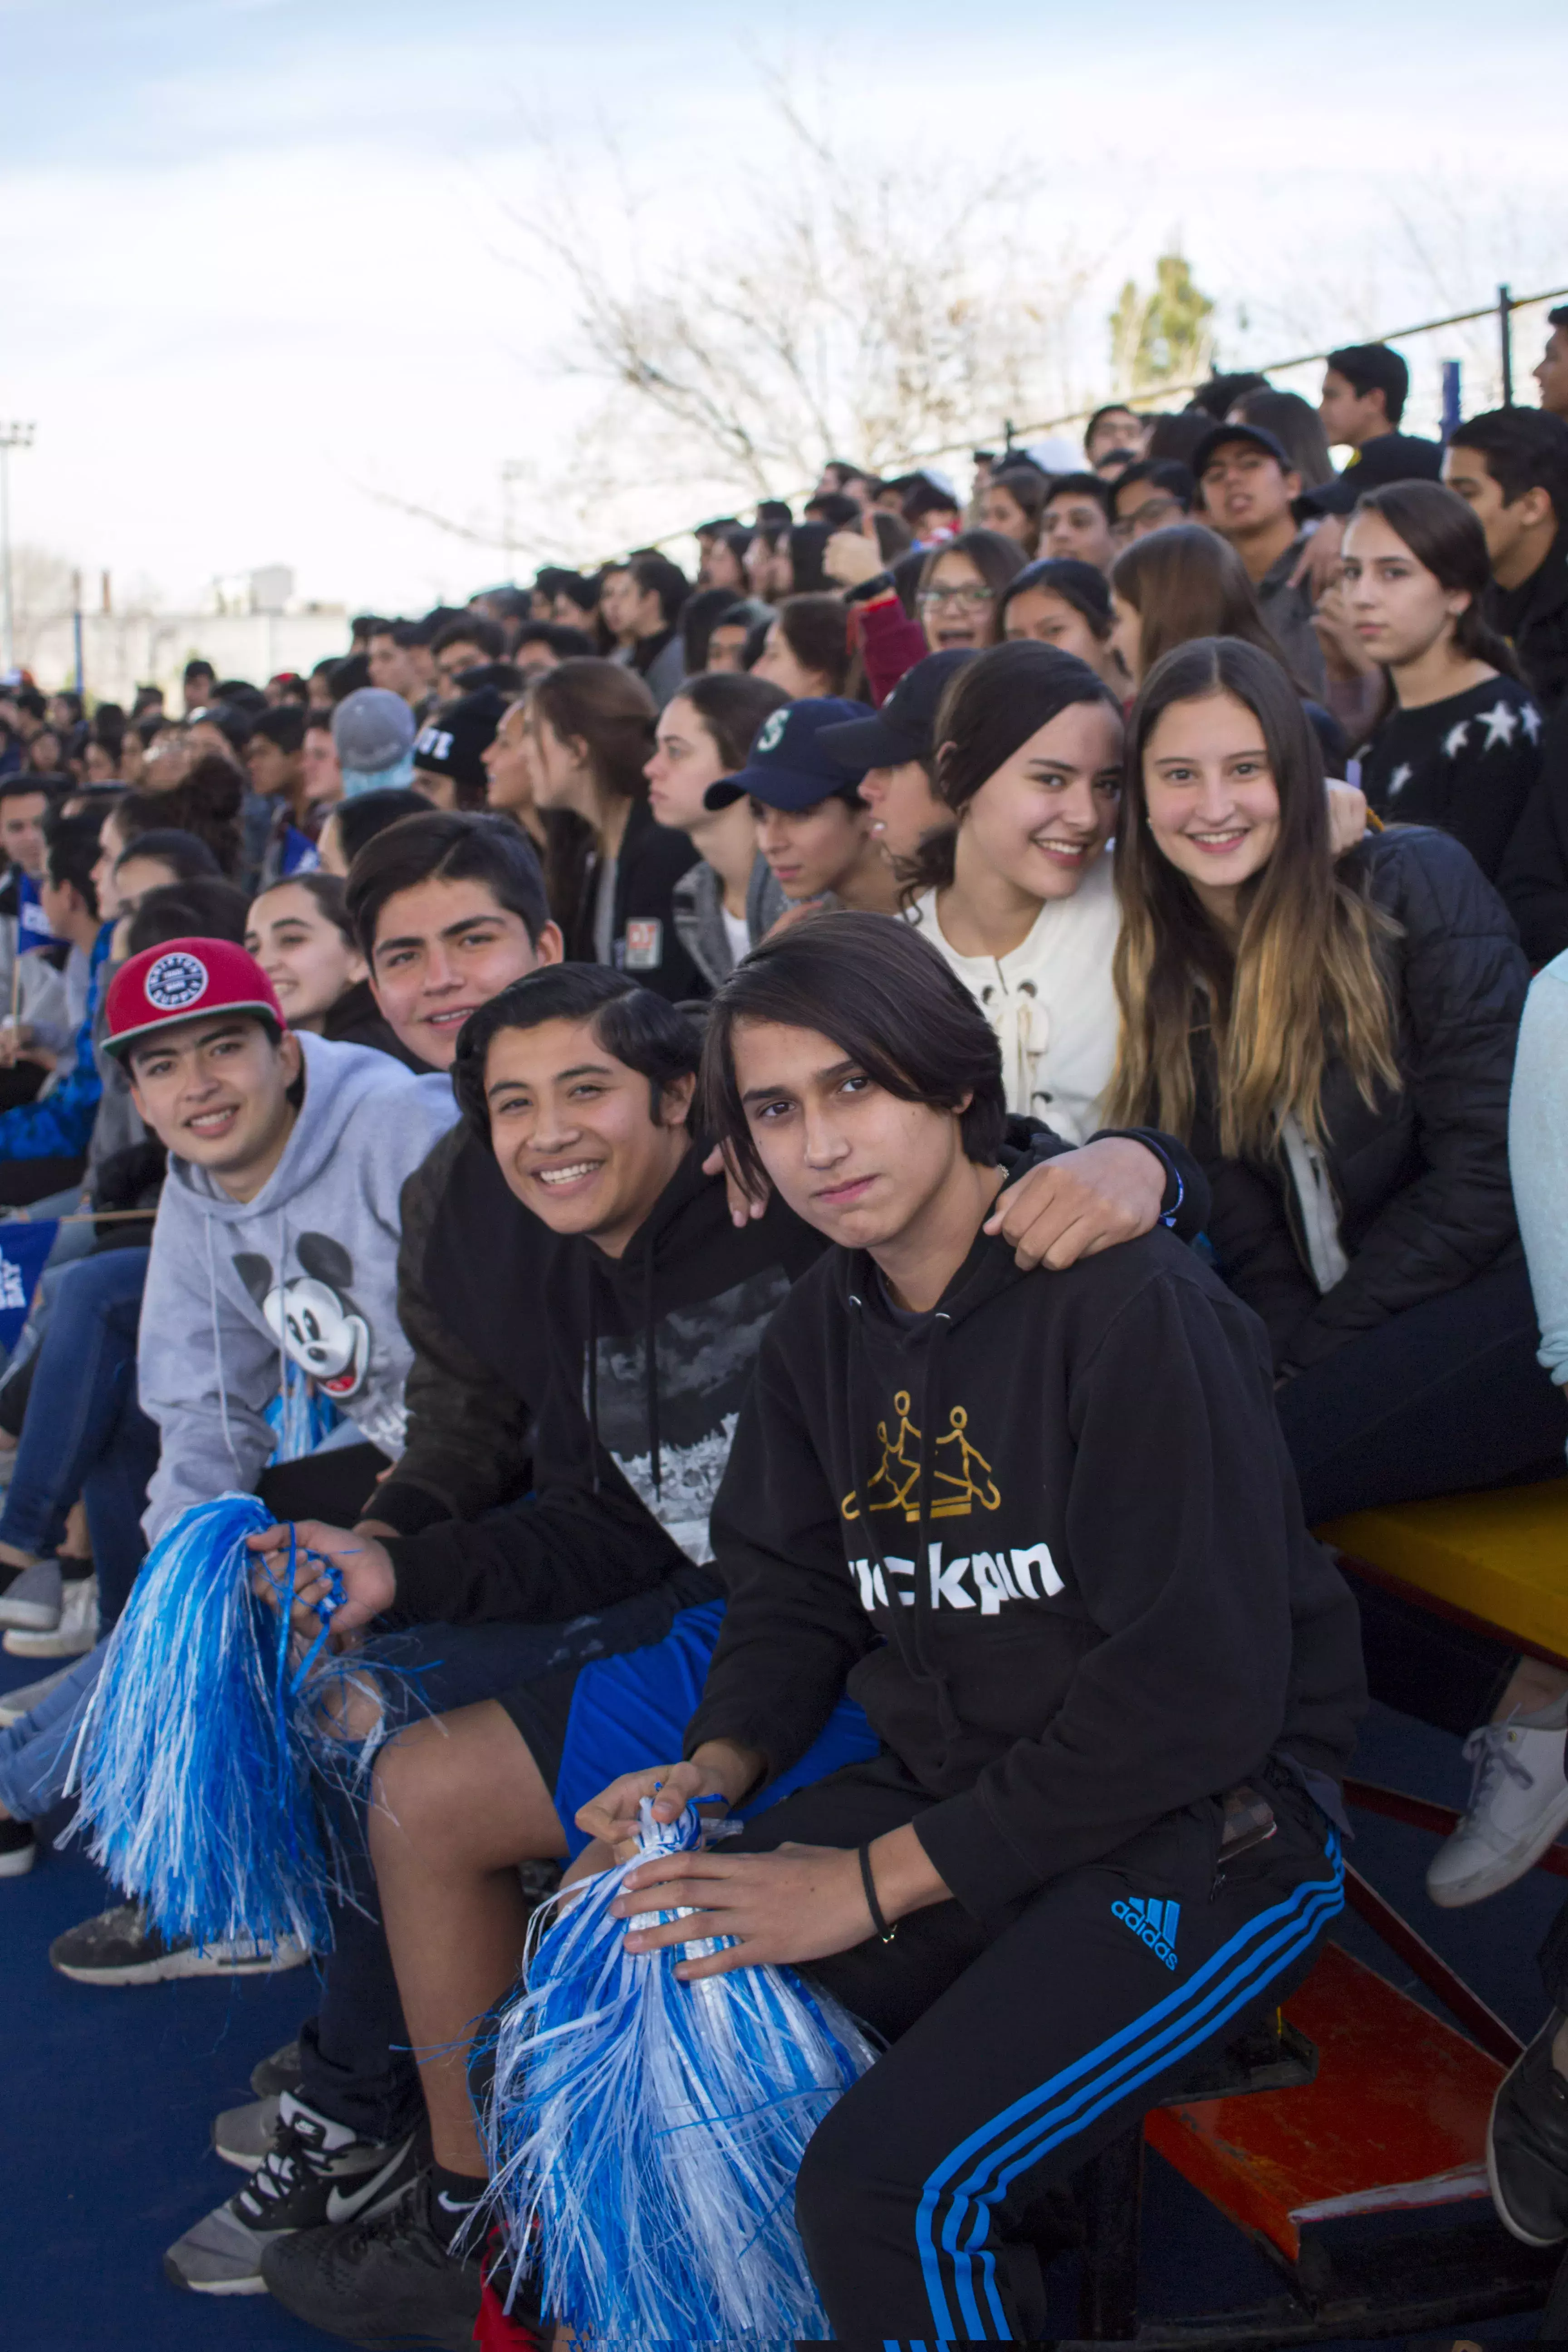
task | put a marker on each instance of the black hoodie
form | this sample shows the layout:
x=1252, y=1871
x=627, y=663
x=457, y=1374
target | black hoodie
x=632, y=1438
x=649, y=1356
x=1091, y=1602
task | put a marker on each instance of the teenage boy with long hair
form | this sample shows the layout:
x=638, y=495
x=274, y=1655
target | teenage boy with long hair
x=1048, y=1534
x=655, y=1301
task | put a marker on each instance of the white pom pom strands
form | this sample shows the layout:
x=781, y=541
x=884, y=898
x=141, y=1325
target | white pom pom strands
x=194, y=1761
x=646, y=2133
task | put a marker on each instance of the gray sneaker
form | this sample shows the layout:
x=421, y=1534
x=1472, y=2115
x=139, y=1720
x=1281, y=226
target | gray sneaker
x=314, y=2175
x=17, y=1703
x=32, y=1601
x=119, y=1946
x=242, y=2136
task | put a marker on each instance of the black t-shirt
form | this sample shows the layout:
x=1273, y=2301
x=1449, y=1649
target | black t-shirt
x=1466, y=765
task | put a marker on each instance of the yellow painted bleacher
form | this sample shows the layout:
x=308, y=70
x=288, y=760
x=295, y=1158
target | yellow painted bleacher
x=1501, y=1557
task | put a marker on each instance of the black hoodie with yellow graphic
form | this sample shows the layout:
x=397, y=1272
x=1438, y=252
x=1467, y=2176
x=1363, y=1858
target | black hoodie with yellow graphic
x=1048, y=1537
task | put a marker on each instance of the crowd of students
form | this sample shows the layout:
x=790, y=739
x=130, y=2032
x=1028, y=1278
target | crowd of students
x=808, y=1181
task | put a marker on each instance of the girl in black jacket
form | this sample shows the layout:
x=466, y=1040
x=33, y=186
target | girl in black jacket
x=610, y=870
x=1461, y=747
x=1338, y=1042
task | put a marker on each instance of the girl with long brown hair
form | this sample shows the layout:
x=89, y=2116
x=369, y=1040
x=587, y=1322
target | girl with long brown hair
x=609, y=867
x=1336, y=1039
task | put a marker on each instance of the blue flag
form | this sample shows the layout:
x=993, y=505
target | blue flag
x=24, y=1250
x=32, y=924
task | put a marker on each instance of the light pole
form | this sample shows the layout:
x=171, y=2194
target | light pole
x=12, y=436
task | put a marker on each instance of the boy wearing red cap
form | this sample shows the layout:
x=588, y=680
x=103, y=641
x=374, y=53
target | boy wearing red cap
x=277, y=1235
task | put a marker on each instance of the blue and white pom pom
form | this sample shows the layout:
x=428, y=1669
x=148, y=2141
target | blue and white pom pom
x=194, y=1762
x=645, y=2133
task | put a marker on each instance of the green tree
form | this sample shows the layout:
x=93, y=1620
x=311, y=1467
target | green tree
x=1162, y=337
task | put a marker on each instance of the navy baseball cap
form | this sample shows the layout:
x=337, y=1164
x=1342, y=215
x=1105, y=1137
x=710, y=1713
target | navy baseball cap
x=905, y=726
x=790, y=766
x=1252, y=434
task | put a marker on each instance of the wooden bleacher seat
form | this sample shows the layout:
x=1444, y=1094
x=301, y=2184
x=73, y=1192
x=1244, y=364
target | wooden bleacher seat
x=1387, y=2114
x=1499, y=1559
x=1396, y=2116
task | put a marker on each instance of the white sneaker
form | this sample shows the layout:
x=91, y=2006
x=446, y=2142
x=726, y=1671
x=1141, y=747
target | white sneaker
x=77, y=1632
x=32, y=1598
x=24, y=1699
x=1519, y=1805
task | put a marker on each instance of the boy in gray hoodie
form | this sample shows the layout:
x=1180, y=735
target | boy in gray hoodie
x=277, y=1235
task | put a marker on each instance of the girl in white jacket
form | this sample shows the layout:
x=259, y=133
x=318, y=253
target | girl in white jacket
x=1017, y=894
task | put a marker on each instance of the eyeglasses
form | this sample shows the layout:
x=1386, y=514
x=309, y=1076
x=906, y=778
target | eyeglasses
x=1143, y=517
x=974, y=599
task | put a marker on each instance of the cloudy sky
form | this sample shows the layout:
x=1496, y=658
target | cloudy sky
x=261, y=276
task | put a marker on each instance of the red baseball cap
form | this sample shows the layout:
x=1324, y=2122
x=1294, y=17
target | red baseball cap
x=186, y=979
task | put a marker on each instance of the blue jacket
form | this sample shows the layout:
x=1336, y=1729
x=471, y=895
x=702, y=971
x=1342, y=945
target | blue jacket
x=61, y=1126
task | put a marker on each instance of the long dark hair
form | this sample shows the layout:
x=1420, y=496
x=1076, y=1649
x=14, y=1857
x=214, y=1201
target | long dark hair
x=1188, y=582
x=1306, y=978
x=816, y=630
x=993, y=704
x=731, y=705
x=605, y=706
x=886, y=998
x=1445, y=535
x=207, y=802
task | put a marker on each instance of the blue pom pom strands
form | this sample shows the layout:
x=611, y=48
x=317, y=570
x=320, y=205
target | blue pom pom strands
x=650, y=2130
x=194, y=1761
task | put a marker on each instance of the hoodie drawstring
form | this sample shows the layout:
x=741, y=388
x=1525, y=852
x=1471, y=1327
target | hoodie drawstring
x=591, y=1371
x=651, y=1379
x=217, y=1351
x=911, y=1649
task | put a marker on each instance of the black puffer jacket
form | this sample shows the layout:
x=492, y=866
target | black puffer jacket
x=1420, y=1180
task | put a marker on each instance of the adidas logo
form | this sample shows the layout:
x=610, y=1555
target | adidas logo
x=1153, y=1924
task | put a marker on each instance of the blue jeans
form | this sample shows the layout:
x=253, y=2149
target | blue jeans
x=84, y=1433
x=35, y=1754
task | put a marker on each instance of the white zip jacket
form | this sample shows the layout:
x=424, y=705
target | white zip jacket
x=1051, y=1002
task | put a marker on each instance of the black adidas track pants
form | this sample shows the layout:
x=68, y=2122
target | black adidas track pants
x=1020, y=2050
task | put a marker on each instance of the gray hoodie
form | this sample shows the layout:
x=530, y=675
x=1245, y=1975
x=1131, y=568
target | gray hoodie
x=308, y=1269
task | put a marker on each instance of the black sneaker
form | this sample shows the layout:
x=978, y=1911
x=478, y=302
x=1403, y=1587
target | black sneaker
x=270, y=2077
x=316, y=2172
x=119, y=1948
x=1527, y=2146
x=387, y=2280
x=18, y=1848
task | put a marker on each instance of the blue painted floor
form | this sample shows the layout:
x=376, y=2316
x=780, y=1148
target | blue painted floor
x=109, y=2098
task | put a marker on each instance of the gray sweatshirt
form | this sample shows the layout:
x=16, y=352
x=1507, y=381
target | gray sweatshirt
x=307, y=1270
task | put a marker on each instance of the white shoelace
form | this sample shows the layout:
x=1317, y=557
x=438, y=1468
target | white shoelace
x=1488, y=1753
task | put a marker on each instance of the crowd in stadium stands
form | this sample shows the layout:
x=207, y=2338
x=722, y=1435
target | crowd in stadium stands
x=562, y=1103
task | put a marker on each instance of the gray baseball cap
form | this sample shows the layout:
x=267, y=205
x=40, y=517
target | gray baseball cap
x=372, y=729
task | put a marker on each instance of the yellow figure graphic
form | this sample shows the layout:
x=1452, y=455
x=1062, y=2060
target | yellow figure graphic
x=969, y=1492
x=894, y=1485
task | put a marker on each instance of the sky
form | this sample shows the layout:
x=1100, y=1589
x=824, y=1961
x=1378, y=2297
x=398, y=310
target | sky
x=264, y=293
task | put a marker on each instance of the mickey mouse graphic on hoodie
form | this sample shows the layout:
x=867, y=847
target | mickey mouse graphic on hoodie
x=306, y=1271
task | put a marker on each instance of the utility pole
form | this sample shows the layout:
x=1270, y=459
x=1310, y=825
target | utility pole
x=12, y=436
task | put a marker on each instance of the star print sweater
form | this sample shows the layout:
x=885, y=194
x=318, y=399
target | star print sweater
x=1047, y=1535
x=1466, y=765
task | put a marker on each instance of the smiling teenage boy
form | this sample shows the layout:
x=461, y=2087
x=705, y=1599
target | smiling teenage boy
x=1047, y=1532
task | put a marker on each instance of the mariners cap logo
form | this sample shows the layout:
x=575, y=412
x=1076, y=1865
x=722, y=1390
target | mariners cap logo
x=175, y=980
x=772, y=735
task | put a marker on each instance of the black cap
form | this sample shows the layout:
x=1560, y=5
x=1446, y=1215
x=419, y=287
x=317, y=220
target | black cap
x=905, y=726
x=1253, y=433
x=452, y=739
x=789, y=766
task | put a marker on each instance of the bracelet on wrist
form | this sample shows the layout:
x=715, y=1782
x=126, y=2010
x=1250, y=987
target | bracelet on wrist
x=868, y=1881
